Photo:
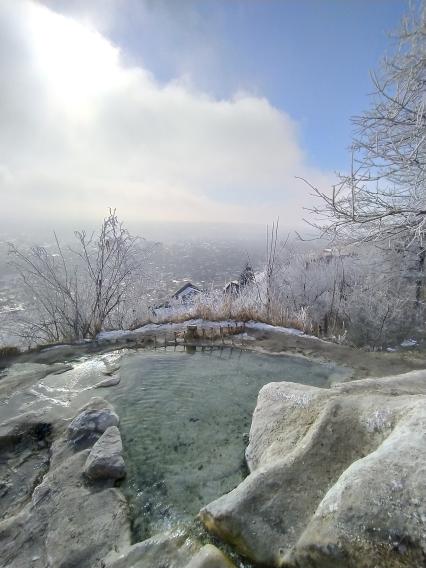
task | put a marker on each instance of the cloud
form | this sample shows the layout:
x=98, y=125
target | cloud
x=80, y=131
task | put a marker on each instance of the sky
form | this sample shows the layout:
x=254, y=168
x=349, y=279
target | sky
x=200, y=111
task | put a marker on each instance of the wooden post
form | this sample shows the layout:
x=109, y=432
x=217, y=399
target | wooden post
x=191, y=332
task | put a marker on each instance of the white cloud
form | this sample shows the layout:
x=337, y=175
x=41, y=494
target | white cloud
x=81, y=132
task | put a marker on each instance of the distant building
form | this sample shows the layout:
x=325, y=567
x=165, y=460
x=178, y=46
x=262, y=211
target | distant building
x=186, y=293
x=232, y=287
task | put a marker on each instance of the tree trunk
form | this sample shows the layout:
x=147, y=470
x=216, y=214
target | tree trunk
x=420, y=278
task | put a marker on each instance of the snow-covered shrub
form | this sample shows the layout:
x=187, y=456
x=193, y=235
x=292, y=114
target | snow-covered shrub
x=74, y=292
x=363, y=296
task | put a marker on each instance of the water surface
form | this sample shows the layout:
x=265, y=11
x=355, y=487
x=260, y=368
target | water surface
x=184, y=419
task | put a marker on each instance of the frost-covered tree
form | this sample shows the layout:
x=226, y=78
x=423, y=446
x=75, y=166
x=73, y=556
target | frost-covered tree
x=383, y=198
x=247, y=275
x=73, y=292
x=384, y=195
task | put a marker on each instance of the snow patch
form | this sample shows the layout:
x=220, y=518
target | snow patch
x=409, y=343
x=201, y=324
x=165, y=327
x=268, y=327
x=244, y=337
x=277, y=328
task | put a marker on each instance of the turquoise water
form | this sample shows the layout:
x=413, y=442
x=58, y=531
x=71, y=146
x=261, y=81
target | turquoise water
x=184, y=419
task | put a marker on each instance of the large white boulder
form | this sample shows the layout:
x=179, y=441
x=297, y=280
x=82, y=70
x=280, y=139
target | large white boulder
x=337, y=477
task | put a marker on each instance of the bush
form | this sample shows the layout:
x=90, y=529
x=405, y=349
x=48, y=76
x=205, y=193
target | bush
x=74, y=292
x=8, y=351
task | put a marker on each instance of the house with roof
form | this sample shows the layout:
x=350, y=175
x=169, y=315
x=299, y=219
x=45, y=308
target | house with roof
x=232, y=288
x=186, y=293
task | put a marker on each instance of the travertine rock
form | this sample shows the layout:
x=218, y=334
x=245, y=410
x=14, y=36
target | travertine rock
x=110, y=382
x=171, y=550
x=337, y=477
x=66, y=523
x=210, y=557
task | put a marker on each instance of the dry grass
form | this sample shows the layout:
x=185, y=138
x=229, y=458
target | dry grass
x=8, y=351
x=229, y=309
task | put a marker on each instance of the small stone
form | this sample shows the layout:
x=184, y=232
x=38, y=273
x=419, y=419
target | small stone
x=105, y=460
x=90, y=424
x=210, y=557
x=111, y=370
x=110, y=382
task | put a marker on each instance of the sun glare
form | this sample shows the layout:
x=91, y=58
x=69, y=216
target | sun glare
x=75, y=60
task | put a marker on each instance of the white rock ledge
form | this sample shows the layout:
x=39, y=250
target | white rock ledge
x=337, y=477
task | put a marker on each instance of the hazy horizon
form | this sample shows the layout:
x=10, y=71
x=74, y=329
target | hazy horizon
x=199, y=112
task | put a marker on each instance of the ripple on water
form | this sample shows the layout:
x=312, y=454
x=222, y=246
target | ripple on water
x=183, y=417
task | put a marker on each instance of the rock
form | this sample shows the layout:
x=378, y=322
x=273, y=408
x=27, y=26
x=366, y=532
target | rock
x=65, y=523
x=111, y=382
x=90, y=424
x=105, y=460
x=54, y=353
x=63, y=369
x=20, y=375
x=210, y=557
x=337, y=477
x=171, y=550
x=24, y=459
x=96, y=403
x=111, y=369
x=21, y=426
